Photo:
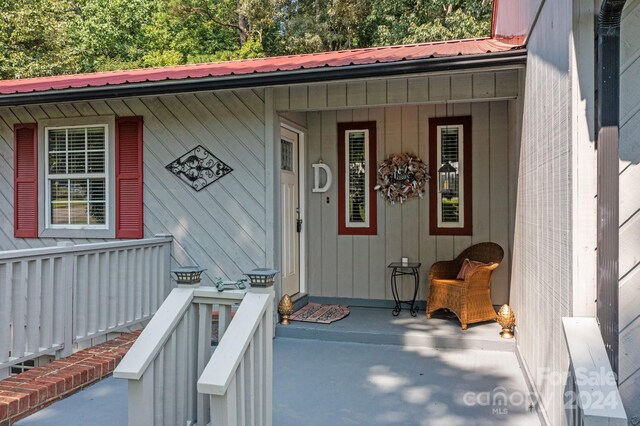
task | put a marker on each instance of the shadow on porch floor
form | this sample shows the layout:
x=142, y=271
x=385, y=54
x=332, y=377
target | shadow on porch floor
x=340, y=383
x=327, y=376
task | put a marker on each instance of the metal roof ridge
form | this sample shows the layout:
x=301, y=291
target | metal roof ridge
x=201, y=65
x=70, y=93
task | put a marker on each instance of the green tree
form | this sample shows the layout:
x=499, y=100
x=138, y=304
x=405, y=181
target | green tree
x=33, y=38
x=320, y=25
x=109, y=34
x=414, y=21
x=46, y=37
x=188, y=31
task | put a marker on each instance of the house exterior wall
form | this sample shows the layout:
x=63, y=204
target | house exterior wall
x=355, y=266
x=451, y=87
x=223, y=227
x=543, y=251
x=630, y=209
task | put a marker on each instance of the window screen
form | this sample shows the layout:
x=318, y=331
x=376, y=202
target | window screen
x=450, y=179
x=450, y=186
x=357, y=211
x=76, y=177
x=357, y=176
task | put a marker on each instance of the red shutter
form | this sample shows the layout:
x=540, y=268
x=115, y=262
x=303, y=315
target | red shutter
x=25, y=174
x=129, y=217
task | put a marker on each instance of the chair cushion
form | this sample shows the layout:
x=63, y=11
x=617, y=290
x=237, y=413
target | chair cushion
x=469, y=266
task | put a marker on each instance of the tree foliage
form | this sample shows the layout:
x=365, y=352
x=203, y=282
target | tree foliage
x=47, y=37
x=33, y=38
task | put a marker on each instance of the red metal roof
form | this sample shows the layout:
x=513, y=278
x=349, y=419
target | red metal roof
x=261, y=65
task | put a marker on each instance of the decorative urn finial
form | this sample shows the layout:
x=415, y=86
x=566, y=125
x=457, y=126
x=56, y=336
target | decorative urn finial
x=285, y=308
x=507, y=320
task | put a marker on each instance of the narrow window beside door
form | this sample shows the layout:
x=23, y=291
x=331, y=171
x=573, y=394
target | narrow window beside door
x=356, y=170
x=286, y=151
x=450, y=186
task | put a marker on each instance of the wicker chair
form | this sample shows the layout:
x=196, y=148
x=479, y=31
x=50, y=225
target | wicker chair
x=469, y=300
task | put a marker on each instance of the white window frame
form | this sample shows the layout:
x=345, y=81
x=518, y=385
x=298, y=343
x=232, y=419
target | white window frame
x=106, y=175
x=460, y=223
x=367, y=167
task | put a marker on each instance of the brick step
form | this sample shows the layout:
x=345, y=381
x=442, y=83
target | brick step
x=28, y=392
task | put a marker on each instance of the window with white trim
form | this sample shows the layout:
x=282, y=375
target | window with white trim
x=450, y=184
x=357, y=213
x=450, y=173
x=356, y=157
x=76, y=191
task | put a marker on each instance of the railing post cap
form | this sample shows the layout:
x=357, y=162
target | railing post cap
x=259, y=289
x=163, y=235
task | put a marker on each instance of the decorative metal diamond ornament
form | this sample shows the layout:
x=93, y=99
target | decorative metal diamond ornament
x=199, y=168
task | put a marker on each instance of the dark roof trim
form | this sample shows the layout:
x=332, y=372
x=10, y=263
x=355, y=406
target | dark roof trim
x=610, y=15
x=470, y=62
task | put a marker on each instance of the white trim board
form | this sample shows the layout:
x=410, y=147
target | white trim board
x=301, y=132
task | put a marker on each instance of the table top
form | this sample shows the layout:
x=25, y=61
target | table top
x=410, y=265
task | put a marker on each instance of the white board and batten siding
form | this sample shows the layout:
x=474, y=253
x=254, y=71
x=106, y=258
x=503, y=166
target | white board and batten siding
x=436, y=88
x=356, y=266
x=222, y=227
x=630, y=208
x=542, y=280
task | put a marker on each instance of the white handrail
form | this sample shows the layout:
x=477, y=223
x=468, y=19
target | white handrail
x=90, y=247
x=238, y=380
x=218, y=373
x=173, y=351
x=155, y=335
x=163, y=323
x=595, y=399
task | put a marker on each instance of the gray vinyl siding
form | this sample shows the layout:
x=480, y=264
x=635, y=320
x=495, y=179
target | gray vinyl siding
x=355, y=266
x=222, y=227
x=630, y=209
x=541, y=280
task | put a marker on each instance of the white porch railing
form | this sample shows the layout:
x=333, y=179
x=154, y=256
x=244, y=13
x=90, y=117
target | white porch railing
x=239, y=376
x=174, y=380
x=592, y=397
x=52, y=298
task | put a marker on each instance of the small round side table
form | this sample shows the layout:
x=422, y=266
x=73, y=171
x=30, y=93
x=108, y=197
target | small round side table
x=399, y=269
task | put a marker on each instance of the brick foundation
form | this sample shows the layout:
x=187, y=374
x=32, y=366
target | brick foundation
x=28, y=392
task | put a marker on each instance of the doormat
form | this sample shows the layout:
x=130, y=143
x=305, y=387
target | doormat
x=324, y=314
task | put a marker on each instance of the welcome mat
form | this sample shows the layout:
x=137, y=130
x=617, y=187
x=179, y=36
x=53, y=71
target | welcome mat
x=324, y=314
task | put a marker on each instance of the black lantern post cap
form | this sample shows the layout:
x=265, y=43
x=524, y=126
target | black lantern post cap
x=188, y=275
x=262, y=277
x=447, y=168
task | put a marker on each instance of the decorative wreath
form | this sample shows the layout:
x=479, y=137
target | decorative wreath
x=401, y=177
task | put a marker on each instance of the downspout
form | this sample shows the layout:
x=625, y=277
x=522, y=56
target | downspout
x=608, y=121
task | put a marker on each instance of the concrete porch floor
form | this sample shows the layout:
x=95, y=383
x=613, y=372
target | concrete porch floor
x=321, y=378
x=379, y=326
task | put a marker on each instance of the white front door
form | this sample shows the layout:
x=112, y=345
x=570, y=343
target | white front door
x=291, y=220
